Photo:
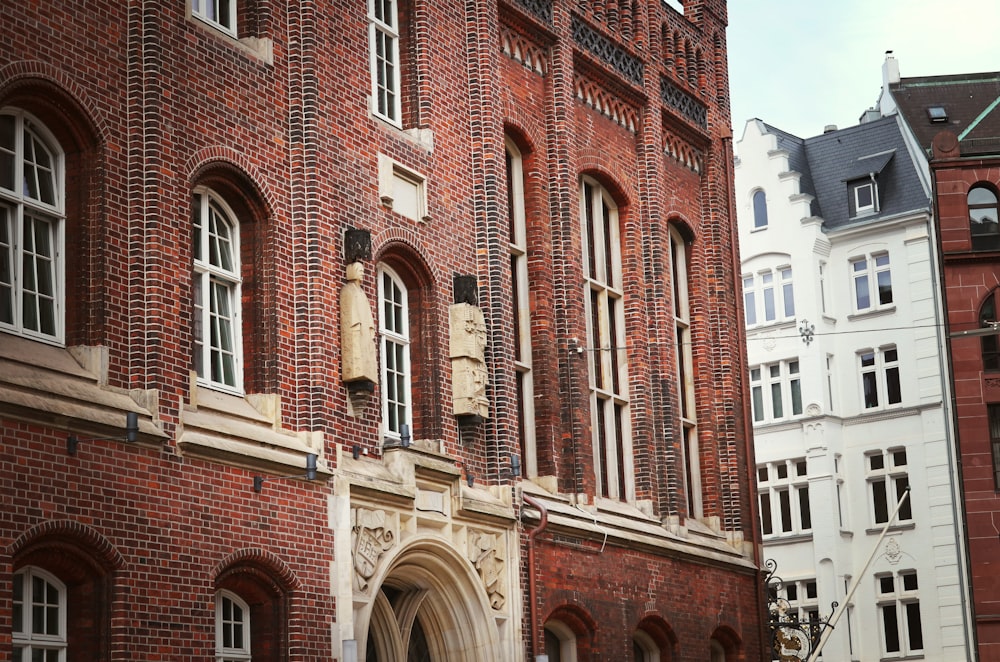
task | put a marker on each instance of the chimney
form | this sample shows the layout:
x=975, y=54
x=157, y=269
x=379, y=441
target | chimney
x=829, y=128
x=890, y=70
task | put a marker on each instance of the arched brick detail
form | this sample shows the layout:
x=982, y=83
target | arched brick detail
x=69, y=533
x=595, y=164
x=32, y=72
x=220, y=155
x=729, y=639
x=662, y=635
x=575, y=618
x=273, y=566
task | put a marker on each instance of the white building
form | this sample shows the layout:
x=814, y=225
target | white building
x=849, y=404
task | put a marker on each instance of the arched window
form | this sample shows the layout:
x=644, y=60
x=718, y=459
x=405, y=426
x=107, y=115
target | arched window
x=685, y=371
x=394, y=346
x=232, y=628
x=606, y=341
x=560, y=642
x=983, y=219
x=522, y=308
x=32, y=223
x=39, y=609
x=218, y=345
x=759, y=210
x=990, y=343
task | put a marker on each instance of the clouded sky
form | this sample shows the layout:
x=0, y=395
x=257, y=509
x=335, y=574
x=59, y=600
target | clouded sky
x=802, y=64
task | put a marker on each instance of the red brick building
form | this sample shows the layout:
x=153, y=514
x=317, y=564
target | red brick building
x=456, y=280
x=955, y=119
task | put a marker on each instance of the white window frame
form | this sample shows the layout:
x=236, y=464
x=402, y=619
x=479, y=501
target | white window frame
x=393, y=179
x=394, y=337
x=522, y=307
x=690, y=448
x=879, y=369
x=212, y=279
x=16, y=208
x=220, y=14
x=237, y=651
x=796, y=596
x=607, y=358
x=772, y=385
x=781, y=488
x=383, y=52
x=901, y=600
x=766, y=287
x=887, y=475
x=759, y=194
x=871, y=207
x=25, y=640
x=868, y=272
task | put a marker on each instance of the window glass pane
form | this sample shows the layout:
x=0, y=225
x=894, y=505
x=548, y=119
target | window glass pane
x=765, y=514
x=913, y=629
x=880, y=502
x=905, y=511
x=870, y=389
x=876, y=462
x=884, y=288
x=861, y=292
x=782, y=470
x=759, y=209
x=893, y=393
x=776, y=407
x=796, y=397
x=804, y=512
x=786, y=510
x=890, y=628
x=7, y=151
x=910, y=581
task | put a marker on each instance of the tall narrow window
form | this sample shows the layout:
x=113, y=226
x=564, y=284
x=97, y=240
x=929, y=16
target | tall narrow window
x=983, y=219
x=776, y=391
x=383, y=38
x=872, y=282
x=606, y=340
x=685, y=372
x=887, y=481
x=899, y=611
x=218, y=13
x=768, y=296
x=522, y=308
x=217, y=329
x=759, y=210
x=994, y=421
x=880, y=383
x=783, y=493
x=394, y=331
x=31, y=230
x=232, y=628
x=39, y=611
x=990, y=343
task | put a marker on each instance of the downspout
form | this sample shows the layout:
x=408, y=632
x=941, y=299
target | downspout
x=542, y=523
x=729, y=155
x=946, y=363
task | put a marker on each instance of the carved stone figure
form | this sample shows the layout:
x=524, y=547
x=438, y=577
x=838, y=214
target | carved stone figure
x=487, y=557
x=372, y=536
x=359, y=354
x=468, y=361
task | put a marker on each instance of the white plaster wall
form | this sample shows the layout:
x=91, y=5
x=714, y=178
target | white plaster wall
x=834, y=553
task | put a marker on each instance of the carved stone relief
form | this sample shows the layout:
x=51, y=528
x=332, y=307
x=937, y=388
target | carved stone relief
x=486, y=554
x=468, y=361
x=372, y=536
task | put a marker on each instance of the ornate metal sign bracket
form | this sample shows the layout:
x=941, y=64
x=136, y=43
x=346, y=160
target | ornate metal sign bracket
x=791, y=639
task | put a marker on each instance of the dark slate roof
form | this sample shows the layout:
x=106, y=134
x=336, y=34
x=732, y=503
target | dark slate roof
x=797, y=161
x=971, y=103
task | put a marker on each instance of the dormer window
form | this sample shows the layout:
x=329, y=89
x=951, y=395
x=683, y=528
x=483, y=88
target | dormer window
x=937, y=114
x=865, y=198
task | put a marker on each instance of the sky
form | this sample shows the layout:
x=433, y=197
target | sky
x=800, y=65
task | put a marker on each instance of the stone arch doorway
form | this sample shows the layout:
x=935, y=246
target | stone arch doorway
x=430, y=607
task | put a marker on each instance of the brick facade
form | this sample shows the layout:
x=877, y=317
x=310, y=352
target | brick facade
x=969, y=278
x=151, y=106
